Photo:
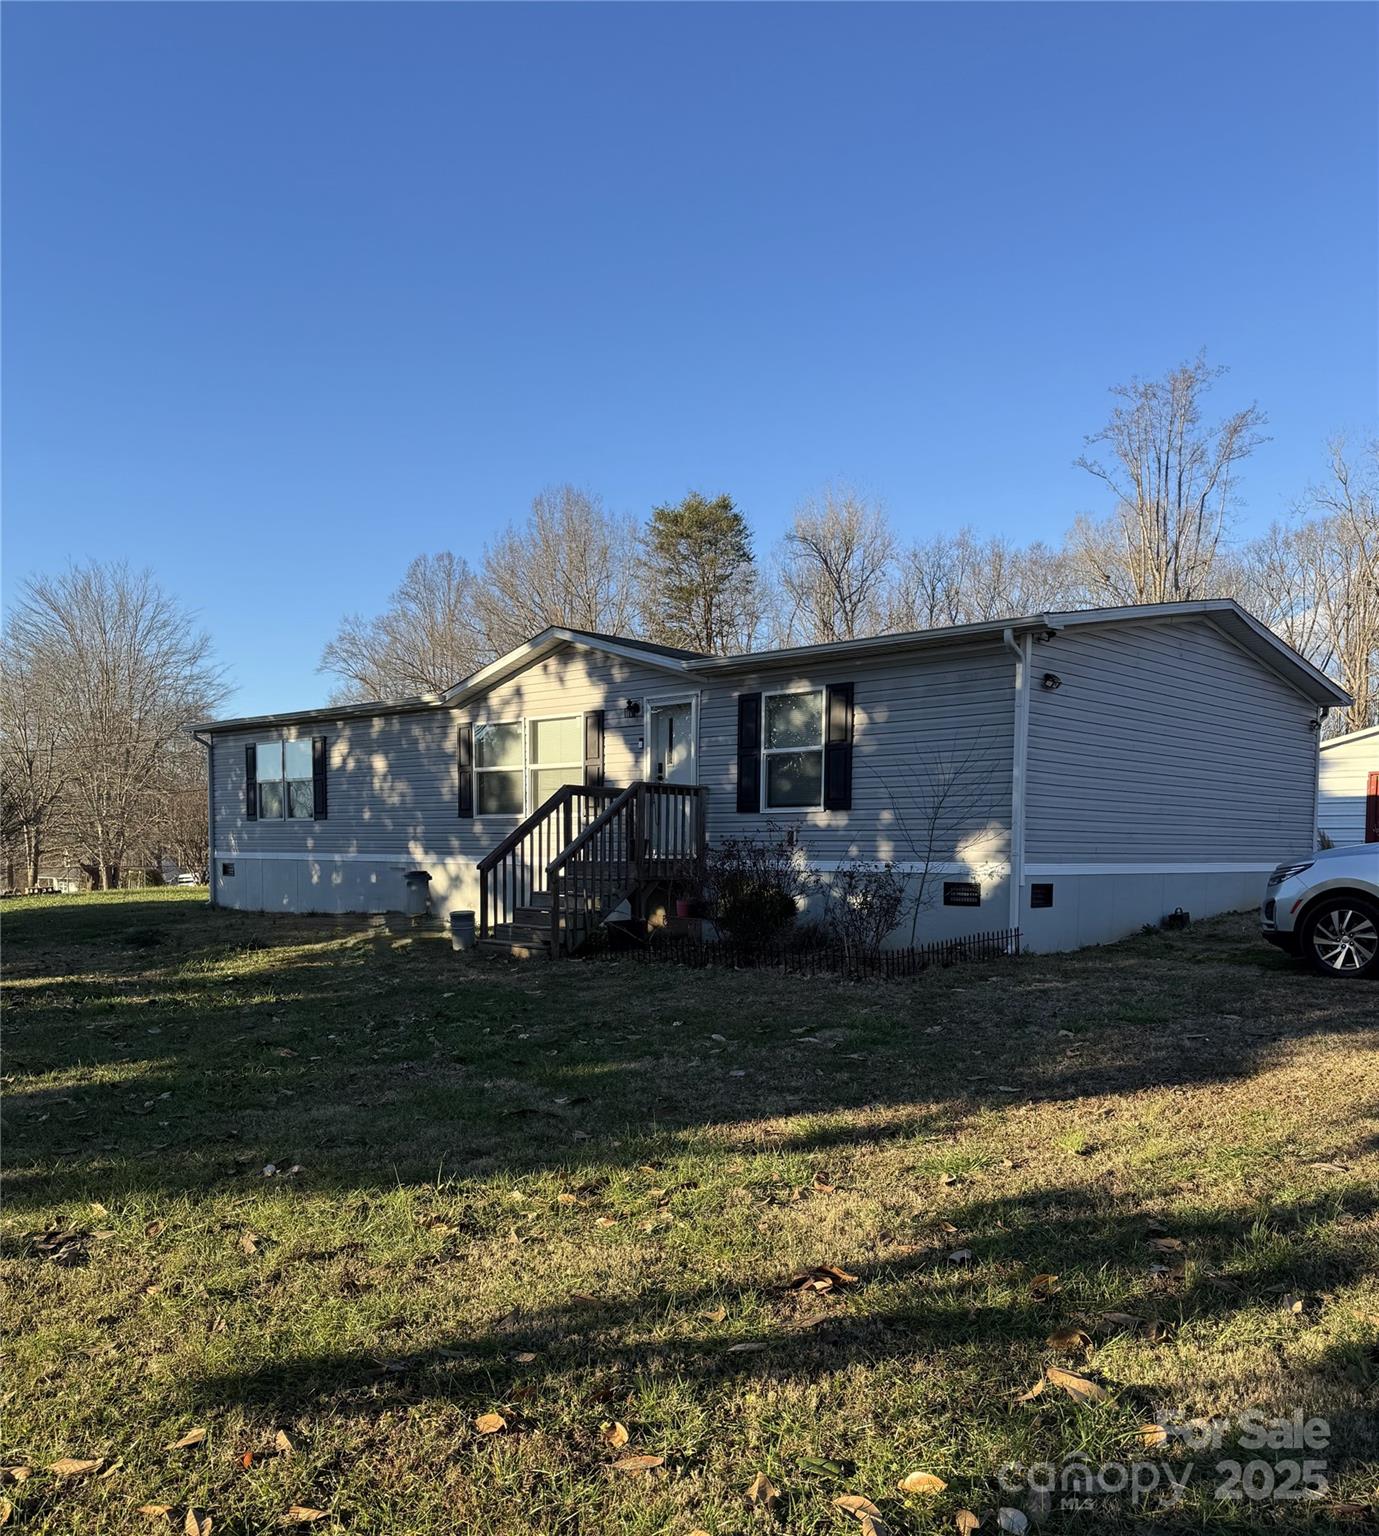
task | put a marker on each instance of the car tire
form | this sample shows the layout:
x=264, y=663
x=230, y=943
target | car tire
x=1340, y=938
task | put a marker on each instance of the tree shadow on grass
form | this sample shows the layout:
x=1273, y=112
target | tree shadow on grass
x=983, y=1322
x=238, y=1040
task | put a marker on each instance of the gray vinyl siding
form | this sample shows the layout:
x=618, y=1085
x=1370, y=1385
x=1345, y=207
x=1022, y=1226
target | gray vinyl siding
x=393, y=780
x=912, y=716
x=1165, y=741
x=393, y=783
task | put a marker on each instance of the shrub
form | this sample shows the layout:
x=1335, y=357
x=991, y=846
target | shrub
x=866, y=902
x=753, y=886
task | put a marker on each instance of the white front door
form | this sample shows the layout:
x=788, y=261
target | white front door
x=671, y=743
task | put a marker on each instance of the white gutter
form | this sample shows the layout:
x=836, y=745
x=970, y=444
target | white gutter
x=1021, y=651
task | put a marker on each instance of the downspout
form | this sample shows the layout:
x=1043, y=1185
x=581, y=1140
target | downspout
x=209, y=743
x=1020, y=649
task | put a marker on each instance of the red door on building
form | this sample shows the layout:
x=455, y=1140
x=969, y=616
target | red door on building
x=1372, y=809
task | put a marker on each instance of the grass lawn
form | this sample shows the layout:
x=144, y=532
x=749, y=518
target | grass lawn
x=330, y=1198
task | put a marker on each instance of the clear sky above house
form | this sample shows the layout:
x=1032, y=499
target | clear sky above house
x=296, y=292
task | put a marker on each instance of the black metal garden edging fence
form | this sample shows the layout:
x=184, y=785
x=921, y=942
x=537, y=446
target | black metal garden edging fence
x=818, y=959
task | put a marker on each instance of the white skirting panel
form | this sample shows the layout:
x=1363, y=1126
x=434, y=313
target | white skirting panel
x=289, y=882
x=1091, y=904
x=1102, y=907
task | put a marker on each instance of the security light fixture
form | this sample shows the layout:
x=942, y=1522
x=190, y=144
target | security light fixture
x=632, y=708
x=1051, y=681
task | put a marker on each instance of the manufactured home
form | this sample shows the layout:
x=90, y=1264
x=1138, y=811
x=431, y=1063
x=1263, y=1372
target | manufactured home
x=1348, y=791
x=1075, y=775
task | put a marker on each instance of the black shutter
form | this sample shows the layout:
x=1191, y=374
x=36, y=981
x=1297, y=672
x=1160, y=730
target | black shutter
x=466, y=762
x=593, y=749
x=251, y=782
x=748, y=753
x=838, y=749
x=318, y=777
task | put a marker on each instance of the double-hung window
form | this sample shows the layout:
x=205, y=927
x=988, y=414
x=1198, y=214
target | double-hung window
x=792, y=750
x=498, y=770
x=556, y=755
x=285, y=786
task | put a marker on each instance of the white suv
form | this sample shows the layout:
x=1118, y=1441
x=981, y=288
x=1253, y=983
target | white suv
x=1326, y=909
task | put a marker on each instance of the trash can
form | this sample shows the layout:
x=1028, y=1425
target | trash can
x=418, y=896
x=461, y=930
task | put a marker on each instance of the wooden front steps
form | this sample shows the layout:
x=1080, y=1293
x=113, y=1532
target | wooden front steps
x=584, y=852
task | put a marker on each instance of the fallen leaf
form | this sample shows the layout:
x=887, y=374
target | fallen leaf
x=856, y=1504
x=490, y=1423
x=154, y=1511
x=762, y=1493
x=153, y=1228
x=192, y=1437
x=966, y=1522
x=1166, y=1244
x=282, y=1445
x=1153, y=1434
x=566, y=1198
x=249, y=1244
x=1070, y=1340
x=300, y=1514
x=717, y=1315
x=823, y=1278
x=1042, y=1286
x=1035, y=1391
x=1126, y=1320
x=6, y=1511
x=15, y=1474
x=745, y=1349
x=247, y=1460
x=1012, y=1520
x=196, y=1524
x=524, y=1358
x=1080, y=1388
x=874, y=1525
x=71, y=1466
x=960, y=1256
x=615, y=1434
x=921, y=1482
x=638, y=1463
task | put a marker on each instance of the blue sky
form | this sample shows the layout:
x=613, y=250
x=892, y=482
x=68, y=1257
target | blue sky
x=295, y=292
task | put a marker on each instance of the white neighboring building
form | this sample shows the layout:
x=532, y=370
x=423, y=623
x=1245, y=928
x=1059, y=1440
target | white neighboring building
x=1348, y=788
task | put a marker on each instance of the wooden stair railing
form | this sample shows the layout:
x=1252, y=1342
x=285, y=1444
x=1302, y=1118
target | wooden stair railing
x=513, y=873
x=651, y=833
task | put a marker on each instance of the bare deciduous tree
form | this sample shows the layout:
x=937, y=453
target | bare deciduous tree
x=128, y=670
x=1173, y=482
x=963, y=579
x=32, y=776
x=571, y=563
x=426, y=640
x=835, y=569
x=177, y=810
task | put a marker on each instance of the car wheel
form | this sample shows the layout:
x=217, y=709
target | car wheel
x=1341, y=937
